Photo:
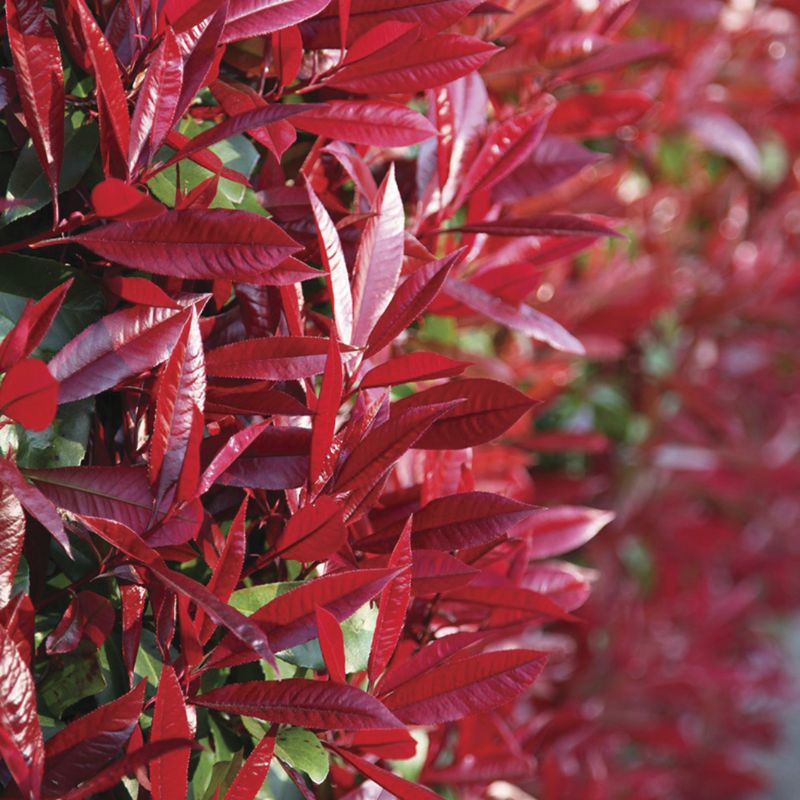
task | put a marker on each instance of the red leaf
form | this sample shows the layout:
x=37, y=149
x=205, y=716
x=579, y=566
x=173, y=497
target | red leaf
x=133, y=602
x=473, y=684
x=538, y=225
x=331, y=642
x=301, y=702
x=88, y=616
x=464, y=520
x=116, y=347
x=338, y=278
x=12, y=537
x=277, y=358
x=509, y=598
x=599, y=113
x=488, y=409
x=250, y=777
x=413, y=296
x=89, y=742
x=29, y=394
x=40, y=83
x=112, y=105
x=553, y=531
x=140, y=291
x=228, y=453
x=314, y=532
x=196, y=243
x=392, y=608
x=291, y=617
x=157, y=103
x=397, y=786
x=434, y=571
x=168, y=773
x=410, y=68
x=247, y=18
x=115, y=199
x=179, y=396
x=379, y=259
x=324, y=422
x=21, y=743
x=412, y=367
x=287, y=53
x=371, y=122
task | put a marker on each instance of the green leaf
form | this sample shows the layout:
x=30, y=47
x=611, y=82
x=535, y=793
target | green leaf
x=70, y=678
x=27, y=181
x=302, y=750
x=62, y=444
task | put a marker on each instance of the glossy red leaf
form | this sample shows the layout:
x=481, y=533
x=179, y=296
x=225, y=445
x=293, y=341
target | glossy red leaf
x=338, y=278
x=196, y=243
x=116, y=347
x=12, y=537
x=472, y=684
x=423, y=65
x=379, y=259
x=398, y=787
x=412, y=297
x=599, y=113
x=234, y=446
x=112, y=104
x=287, y=52
x=180, y=394
x=133, y=599
x=487, y=409
x=29, y=394
x=465, y=520
x=539, y=225
x=508, y=598
x=412, y=367
x=115, y=199
x=21, y=743
x=277, y=358
x=314, y=532
x=372, y=122
x=157, y=102
x=140, y=291
x=553, y=531
x=385, y=744
x=89, y=742
x=392, y=607
x=40, y=83
x=434, y=571
x=301, y=702
x=324, y=422
x=247, y=18
x=168, y=773
x=331, y=643
x=250, y=777
x=89, y=616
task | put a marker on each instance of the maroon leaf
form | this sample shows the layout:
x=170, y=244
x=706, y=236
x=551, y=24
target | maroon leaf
x=40, y=83
x=410, y=68
x=324, y=423
x=464, y=520
x=509, y=598
x=89, y=742
x=277, y=358
x=88, y=616
x=412, y=367
x=553, y=531
x=301, y=702
x=538, y=225
x=250, y=777
x=12, y=537
x=473, y=684
x=247, y=18
x=372, y=122
x=413, y=296
x=522, y=318
x=168, y=773
x=331, y=643
x=488, y=408
x=228, y=453
x=434, y=571
x=179, y=397
x=314, y=533
x=116, y=347
x=21, y=743
x=196, y=243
